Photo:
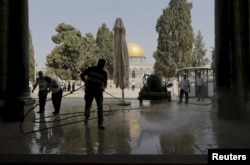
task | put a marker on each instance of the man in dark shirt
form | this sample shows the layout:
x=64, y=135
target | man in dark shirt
x=95, y=79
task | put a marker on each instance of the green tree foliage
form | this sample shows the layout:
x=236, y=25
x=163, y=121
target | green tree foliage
x=175, y=38
x=64, y=58
x=213, y=58
x=90, y=54
x=32, y=62
x=104, y=41
x=199, y=52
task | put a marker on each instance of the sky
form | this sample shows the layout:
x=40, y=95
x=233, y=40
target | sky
x=139, y=17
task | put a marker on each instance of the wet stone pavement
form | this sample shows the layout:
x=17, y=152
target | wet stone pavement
x=153, y=128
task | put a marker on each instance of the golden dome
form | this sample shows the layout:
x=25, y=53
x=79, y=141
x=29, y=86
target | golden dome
x=134, y=50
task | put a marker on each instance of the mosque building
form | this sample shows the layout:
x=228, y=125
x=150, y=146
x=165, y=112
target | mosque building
x=137, y=66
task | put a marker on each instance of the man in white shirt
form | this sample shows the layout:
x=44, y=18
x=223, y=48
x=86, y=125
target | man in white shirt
x=184, y=88
x=200, y=87
x=133, y=85
x=43, y=91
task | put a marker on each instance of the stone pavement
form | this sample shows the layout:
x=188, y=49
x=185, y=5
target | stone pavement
x=154, y=132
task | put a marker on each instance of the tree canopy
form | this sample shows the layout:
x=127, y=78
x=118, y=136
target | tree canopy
x=65, y=56
x=175, y=38
x=32, y=63
x=73, y=52
x=199, y=52
x=104, y=41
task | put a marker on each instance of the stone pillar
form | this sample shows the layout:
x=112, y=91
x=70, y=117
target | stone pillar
x=17, y=90
x=248, y=103
x=222, y=57
x=232, y=59
x=3, y=50
x=240, y=58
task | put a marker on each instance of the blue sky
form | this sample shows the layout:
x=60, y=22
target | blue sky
x=139, y=18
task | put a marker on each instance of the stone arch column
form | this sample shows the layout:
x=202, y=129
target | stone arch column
x=231, y=59
x=16, y=48
x=3, y=48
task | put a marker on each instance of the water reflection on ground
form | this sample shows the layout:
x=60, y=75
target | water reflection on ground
x=162, y=128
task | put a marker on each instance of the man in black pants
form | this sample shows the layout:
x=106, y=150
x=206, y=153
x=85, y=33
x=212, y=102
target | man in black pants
x=56, y=93
x=95, y=83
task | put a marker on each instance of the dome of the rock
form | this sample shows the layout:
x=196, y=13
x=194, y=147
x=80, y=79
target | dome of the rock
x=135, y=50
